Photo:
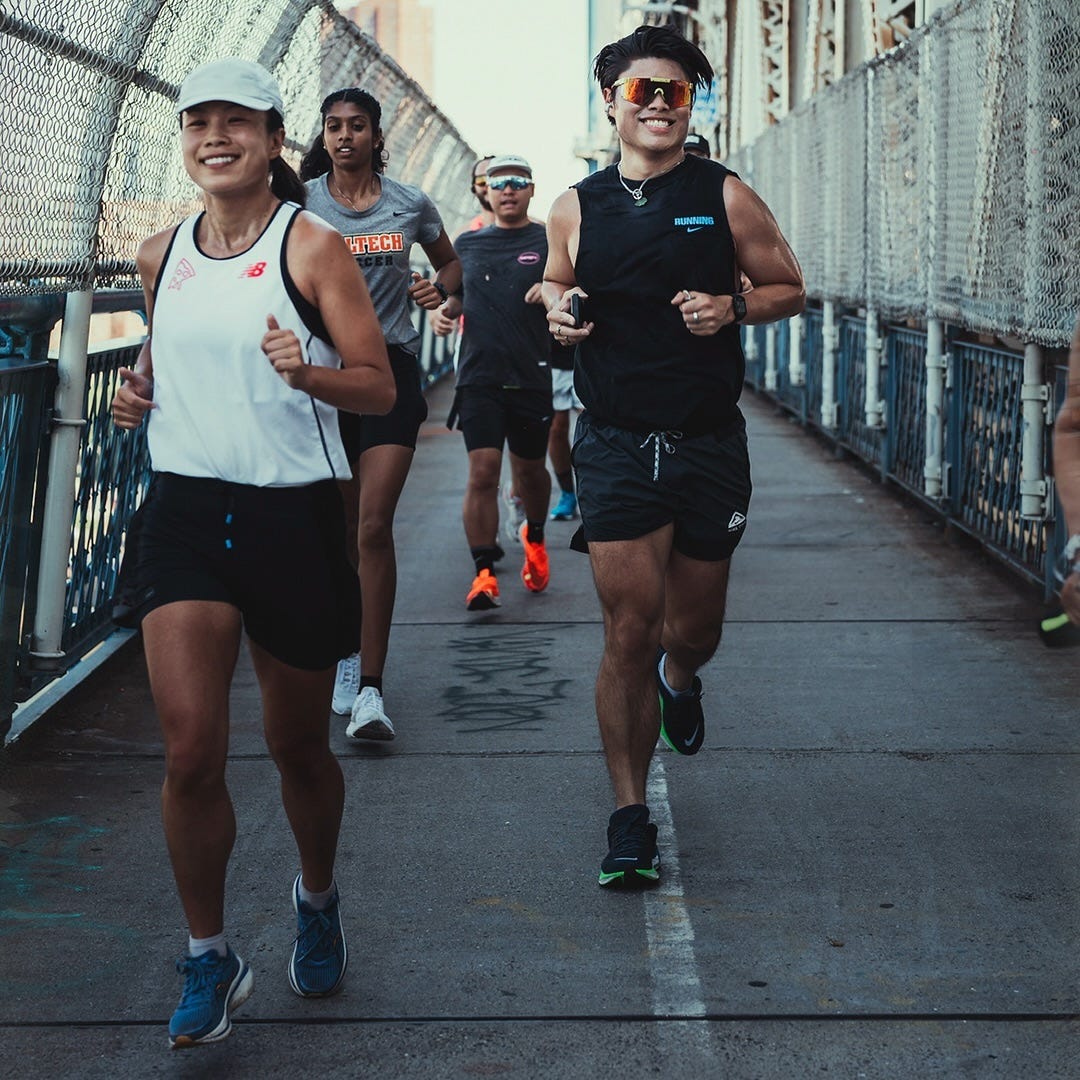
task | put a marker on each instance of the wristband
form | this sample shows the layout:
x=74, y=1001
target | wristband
x=440, y=288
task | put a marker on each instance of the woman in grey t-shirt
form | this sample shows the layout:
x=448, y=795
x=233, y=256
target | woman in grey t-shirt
x=380, y=219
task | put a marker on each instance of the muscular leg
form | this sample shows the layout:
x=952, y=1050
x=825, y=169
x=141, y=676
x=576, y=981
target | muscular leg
x=629, y=576
x=382, y=471
x=532, y=484
x=191, y=650
x=296, y=709
x=696, y=594
x=481, y=510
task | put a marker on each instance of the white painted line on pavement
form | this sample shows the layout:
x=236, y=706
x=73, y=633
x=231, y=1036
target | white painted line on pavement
x=676, y=989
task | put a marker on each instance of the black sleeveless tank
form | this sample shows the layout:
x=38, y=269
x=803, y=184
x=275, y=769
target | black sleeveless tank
x=641, y=369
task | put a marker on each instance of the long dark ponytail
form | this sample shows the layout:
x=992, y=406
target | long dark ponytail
x=316, y=161
x=284, y=183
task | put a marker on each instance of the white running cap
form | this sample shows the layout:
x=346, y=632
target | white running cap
x=509, y=161
x=242, y=82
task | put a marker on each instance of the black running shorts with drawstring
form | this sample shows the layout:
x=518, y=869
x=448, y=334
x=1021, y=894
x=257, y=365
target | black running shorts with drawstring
x=630, y=484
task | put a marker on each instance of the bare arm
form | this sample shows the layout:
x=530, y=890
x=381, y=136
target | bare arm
x=1067, y=468
x=560, y=277
x=327, y=275
x=134, y=399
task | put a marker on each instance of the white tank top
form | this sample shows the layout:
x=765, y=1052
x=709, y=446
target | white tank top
x=222, y=411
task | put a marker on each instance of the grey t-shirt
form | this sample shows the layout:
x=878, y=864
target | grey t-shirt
x=381, y=238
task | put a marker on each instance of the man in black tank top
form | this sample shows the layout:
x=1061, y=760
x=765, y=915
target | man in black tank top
x=655, y=247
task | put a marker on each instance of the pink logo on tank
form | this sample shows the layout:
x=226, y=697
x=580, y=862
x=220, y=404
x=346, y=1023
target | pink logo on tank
x=529, y=258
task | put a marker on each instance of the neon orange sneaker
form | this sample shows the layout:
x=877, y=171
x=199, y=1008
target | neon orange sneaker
x=535, y=573
x=484, y=593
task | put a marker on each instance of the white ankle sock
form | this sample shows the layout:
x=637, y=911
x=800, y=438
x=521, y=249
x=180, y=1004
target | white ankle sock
x=317, y=900
x=198, y=946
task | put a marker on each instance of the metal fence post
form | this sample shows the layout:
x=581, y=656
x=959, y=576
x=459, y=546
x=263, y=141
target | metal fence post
x=933, y=470
x=1034, y=397
x=67, y=426
x=771, y=379
x=796, y=368
x=830, y=342
x=873, y=369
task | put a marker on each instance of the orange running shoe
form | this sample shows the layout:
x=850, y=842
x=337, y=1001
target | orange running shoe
x=535, y=573
x=484, y=593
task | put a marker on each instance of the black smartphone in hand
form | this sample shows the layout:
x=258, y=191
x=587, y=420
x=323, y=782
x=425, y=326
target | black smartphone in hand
x=578, y=310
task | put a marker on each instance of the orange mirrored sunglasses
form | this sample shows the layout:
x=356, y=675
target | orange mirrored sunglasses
x=677, y=93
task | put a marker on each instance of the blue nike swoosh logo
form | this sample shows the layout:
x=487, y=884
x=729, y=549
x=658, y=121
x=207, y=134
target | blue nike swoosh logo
x=696, y=228
x=690, y=741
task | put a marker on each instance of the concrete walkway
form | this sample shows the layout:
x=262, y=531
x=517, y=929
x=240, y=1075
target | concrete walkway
x=871, y=870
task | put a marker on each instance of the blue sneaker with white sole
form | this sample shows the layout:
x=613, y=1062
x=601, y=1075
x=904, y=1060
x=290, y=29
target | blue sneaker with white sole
x=213, y=986
x=319, y=956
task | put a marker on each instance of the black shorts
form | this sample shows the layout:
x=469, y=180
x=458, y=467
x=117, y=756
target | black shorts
x=276, y=554
x=400, y=426
x=491, y=415
x=630, y=484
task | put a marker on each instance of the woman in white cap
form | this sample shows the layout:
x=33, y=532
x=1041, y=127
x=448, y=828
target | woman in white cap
x=261, y=329
x=381, y=219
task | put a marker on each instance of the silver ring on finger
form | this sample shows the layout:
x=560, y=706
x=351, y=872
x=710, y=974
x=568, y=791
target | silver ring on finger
x=696, y=316
x=686, y=293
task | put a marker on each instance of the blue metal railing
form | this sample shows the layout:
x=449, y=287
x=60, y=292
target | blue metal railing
x=905, y=457
x=986, y=412
x=983, y=421
x=26, y=391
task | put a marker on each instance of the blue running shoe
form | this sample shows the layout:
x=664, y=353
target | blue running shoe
x=632, y=859
x=319, y=956
x=213, y=986
x=682, y=721
x=565, y=508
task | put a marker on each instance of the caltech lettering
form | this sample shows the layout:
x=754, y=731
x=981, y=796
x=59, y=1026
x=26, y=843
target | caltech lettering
x=372, y=243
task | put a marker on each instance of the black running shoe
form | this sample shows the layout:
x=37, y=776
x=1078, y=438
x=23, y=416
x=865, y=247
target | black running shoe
x=682, y=723
x=632, y=858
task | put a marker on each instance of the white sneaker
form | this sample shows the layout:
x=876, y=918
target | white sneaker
x=346, y=684
x=369, y=721
x=515, y=514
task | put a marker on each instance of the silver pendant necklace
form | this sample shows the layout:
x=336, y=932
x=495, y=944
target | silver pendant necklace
x=638, y=193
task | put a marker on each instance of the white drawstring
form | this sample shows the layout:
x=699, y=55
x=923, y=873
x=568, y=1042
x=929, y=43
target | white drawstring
x=660, y=439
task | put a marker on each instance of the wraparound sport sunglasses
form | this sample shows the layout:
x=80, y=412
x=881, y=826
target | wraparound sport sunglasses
x=677, y=93
x=514, y=183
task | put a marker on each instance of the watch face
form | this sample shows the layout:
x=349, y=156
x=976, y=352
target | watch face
x=738, y=305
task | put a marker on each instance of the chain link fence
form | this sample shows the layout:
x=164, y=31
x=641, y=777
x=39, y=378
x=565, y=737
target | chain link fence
x=89, y=146
x=942, y=180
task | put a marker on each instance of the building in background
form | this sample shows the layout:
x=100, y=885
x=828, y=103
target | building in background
x=403, y=28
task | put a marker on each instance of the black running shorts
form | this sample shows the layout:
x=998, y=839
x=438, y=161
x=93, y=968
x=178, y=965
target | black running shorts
x=400, y=426
x=631, y=484
x=491, y=415
x=276, y=554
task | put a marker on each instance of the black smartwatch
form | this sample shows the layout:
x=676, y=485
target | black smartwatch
x=738, y=307
x=440, y=288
